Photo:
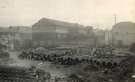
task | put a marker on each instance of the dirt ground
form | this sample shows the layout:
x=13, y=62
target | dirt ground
x=55, y=70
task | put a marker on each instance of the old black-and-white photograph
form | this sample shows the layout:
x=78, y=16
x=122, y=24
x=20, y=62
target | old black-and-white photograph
x=67, y=40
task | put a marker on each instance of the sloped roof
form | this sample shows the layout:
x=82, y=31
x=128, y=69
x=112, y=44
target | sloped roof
x=124, y=25
x=50, y=22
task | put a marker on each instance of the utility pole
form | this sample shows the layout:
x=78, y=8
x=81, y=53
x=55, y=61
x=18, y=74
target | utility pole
x=115, y=19
x=115, y=22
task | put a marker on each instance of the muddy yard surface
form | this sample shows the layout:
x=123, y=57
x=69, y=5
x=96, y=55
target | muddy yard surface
x=55, y=70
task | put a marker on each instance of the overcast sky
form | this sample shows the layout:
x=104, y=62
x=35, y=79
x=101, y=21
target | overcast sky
x=99, y=13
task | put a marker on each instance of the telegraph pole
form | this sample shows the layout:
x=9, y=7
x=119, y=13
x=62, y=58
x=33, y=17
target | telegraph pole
x=115, y=21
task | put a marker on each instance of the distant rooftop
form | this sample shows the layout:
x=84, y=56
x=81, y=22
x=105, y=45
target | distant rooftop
x=124, y=25
x=51, y=22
